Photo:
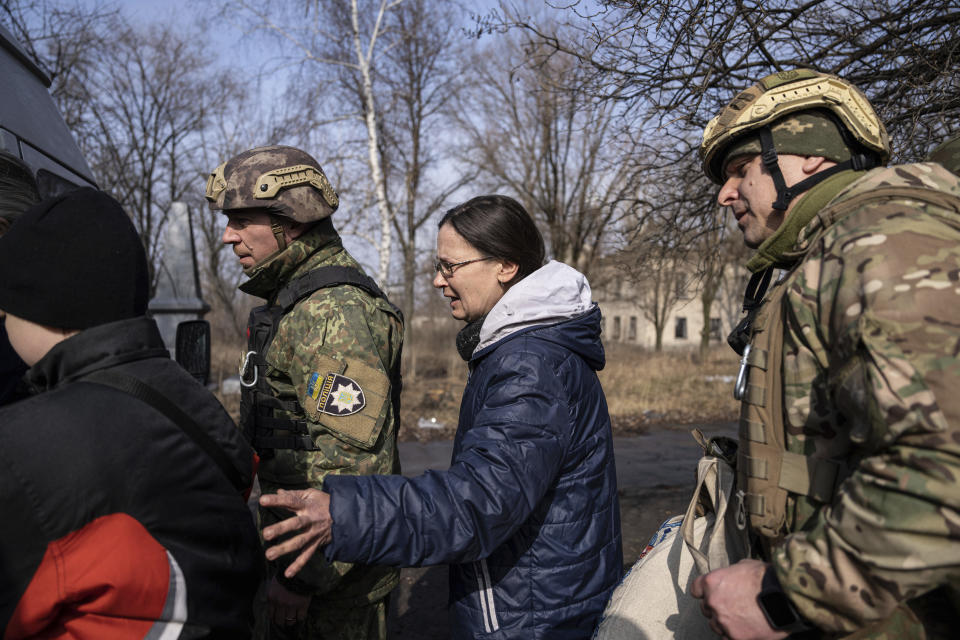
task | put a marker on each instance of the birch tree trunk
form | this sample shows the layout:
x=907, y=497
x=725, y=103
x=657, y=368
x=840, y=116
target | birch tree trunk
x=364, y=59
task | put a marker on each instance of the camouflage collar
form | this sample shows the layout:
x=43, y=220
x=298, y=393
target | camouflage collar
x=318, y=243
x=786, y=245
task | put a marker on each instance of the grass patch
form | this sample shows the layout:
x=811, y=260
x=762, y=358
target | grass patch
x=668, y=388
x=643, y=388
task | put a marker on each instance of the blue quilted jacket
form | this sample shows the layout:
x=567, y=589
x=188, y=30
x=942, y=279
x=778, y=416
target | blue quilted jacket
x=527, y=515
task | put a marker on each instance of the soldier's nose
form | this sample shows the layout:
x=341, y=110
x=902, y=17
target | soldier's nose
x=728, y=192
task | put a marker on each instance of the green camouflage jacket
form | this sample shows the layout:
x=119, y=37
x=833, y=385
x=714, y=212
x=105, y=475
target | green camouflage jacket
x=871, y=377
x=339, y=328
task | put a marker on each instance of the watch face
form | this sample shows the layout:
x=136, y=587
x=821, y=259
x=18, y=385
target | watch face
x=777, y=608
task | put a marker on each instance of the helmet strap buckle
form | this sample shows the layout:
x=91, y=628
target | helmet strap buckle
x=768, y=154
x=863, y=161
x=278, y=233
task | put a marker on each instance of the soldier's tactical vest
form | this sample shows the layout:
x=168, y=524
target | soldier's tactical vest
x=766, y=471
x=264, y=418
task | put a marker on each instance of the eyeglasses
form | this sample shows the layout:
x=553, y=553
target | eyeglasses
x=446, y=268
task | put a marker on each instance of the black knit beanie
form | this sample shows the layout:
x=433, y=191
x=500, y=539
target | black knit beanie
x=73, y=261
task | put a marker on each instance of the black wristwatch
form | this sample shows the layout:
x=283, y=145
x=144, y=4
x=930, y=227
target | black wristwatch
x=777, y=608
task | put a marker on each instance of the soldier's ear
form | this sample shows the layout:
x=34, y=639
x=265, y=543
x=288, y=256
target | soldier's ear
x=814, y=164
x=296, y=229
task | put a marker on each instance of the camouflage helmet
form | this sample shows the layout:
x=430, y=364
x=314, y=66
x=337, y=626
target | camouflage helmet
x=286, y=181
x=788, y=92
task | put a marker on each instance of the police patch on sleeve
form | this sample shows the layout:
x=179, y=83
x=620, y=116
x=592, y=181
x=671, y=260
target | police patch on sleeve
x=345, y=399
x=338, y=395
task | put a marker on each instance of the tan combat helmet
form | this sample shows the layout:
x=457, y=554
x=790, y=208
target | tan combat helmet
x=286, y=181
x=752, y=114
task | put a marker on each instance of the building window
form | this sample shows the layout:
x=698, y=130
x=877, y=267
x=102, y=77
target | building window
x=715, y=329
x=680, y=330
x=616, y=327
x=632, y=331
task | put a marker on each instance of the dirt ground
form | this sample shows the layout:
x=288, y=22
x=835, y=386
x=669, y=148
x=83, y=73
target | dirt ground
x=418, y=608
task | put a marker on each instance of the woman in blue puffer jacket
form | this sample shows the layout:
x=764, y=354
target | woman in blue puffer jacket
x=527, y=515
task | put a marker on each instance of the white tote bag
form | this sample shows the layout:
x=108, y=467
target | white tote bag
x=653, y=600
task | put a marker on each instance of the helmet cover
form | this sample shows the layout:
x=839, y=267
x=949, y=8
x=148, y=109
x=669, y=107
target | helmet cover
x=784, y=93
x=284, y=180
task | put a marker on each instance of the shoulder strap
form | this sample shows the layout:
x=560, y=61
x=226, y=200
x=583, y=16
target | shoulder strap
x=147, y=394
x=323, y=278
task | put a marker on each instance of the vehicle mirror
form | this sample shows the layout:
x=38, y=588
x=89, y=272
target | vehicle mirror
x=193, y=348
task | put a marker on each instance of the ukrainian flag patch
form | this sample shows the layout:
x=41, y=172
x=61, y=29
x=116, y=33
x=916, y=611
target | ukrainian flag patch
x=313, y=389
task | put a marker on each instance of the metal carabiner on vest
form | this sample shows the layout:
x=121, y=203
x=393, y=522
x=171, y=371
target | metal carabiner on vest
x=243, y=370
x=741, y=507
x=740, y=388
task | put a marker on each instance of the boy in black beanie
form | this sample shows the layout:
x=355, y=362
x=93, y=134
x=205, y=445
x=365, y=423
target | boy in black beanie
x=122, y=481
x=73, y=262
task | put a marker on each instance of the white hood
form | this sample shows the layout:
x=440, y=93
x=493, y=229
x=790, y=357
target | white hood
x=553, y=293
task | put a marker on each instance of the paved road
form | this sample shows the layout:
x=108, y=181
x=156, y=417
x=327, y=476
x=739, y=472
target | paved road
x=662, y=458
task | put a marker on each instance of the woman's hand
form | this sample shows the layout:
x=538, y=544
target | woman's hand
x=312, y=522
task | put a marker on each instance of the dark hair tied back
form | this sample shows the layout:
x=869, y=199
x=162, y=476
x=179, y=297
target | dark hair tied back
x=499, y=226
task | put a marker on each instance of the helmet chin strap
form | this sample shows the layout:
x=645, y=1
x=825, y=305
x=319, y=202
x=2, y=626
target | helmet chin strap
x=785, y=194
x=278, y=233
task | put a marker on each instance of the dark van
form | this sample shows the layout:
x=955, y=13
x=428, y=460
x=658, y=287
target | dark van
x=32, y=128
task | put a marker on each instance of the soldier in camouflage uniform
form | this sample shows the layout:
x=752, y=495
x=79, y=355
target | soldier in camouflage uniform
x=320, y=375
x=849, y=460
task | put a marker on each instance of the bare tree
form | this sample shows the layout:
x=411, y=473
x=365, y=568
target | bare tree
x=135, y=98
x=535, y=128
x=659, y=274
x=729, y=297
x=719, y=251
x=236, y=123
x=419, y=79
x=373, y=81
x=339, y=43
x=146, y=101
x=681, y=61
x=672, y=65
x=672, y=246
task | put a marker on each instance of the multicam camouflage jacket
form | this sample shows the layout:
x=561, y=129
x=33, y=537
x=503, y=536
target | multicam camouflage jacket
x=362, y=336
x=871, y=378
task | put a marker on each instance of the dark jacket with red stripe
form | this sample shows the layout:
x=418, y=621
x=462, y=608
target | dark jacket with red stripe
x=115, y=523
